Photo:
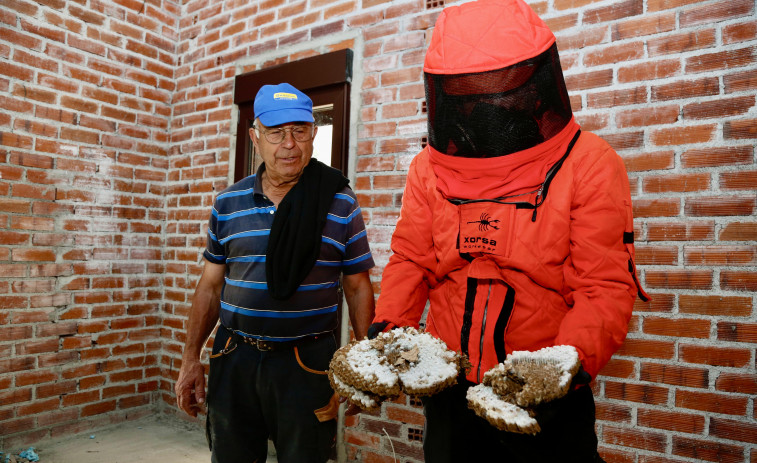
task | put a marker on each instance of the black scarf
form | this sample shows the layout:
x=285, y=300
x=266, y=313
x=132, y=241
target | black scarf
x=295, y=239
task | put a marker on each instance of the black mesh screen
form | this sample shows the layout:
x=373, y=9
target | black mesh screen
x=494, y=113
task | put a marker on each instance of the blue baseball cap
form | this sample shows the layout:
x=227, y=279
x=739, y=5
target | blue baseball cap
x=282, y=103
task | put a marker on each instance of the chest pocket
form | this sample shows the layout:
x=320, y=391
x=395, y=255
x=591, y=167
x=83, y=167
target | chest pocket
x=484, y=227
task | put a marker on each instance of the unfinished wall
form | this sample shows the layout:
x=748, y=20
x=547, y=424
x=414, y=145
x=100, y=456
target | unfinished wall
x=115, y=141
x=85, y=110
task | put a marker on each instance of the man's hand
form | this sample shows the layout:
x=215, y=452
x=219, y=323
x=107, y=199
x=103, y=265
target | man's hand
x=190, y=387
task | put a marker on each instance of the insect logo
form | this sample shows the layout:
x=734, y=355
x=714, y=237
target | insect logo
x=485, y=222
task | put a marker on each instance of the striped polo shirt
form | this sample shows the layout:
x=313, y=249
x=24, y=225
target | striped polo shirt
x=240, y=223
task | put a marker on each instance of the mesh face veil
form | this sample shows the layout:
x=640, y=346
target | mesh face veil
x=498, y=112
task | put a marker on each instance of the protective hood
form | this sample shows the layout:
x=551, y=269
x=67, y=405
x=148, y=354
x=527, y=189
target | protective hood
x=485, y=35
x=494, y=85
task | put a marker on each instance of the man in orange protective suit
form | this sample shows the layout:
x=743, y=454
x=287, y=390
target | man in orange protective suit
x=515, y=225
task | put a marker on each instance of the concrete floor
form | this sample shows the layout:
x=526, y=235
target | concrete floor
x=149, y=439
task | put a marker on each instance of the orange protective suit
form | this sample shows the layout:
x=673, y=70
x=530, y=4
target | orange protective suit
x=514, y=251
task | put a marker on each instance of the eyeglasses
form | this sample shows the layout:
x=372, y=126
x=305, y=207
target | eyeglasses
x=275, y=136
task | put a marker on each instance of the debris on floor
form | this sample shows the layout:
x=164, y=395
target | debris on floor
x=27, y=456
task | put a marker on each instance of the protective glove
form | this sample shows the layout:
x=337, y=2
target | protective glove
x=379, y=327
x=528, y=379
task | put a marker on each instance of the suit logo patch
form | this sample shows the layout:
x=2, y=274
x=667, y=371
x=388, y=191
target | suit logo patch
x=485, y=222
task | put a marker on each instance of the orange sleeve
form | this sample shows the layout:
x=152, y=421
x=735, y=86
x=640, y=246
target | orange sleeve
x=601, y=287
x=408, y=275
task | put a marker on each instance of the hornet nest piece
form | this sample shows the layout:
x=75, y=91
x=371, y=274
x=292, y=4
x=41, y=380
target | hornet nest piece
x=406, y=360
x=510, y=391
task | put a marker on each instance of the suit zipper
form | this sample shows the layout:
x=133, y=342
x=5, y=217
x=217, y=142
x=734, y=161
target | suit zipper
x=483, y=331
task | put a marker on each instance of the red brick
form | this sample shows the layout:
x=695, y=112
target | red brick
x=645, y=25
x=16, y=141
x=715, y=305
x=647, y=116
x=570, y=4
x=720, y=206
x=740, y=81
x=658, y=303
x=671, y=421
x=361, y=439
x=717, y=156
x=742, y=32
x=33, y=255
x=57, y=388
x=88, y=16
x=622, y=10
x=738, y=280
x=133, y=401
x=742, y=383
x=721, y=60
x=707, y=450
x=589, y=80
x=719, y=108
x=615, y=412
x=683, y=135
x=679, y=279
x=733, y=430
x=656, y=255
x=681, y=43
x=707, y=86
x=613, y=455
x=739, y=231
x=98, y=408
x=720, y=255
x=614, y=98
x=714, y=12
x=661, y=5
x=716, y=356
x=676, y=183
x=646, y=348
x=404, y=415
x=38, y=406
x=642, y=393
x=710, y=402
x=656, y=208
x=737, y=332
x=742, y=180
x=649, y=161
x=18, y=425
x=634, y=438
x=674, y=375
x=625, y=52
x=740, y=129
x=690, y=328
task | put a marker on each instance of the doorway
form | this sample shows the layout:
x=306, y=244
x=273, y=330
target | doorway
x=326, y=80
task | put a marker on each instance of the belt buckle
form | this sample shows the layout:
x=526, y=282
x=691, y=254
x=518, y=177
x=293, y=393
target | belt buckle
x=263, y=346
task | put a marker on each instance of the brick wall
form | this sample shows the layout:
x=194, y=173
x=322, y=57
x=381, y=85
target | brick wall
x=85, y=114
x=118, y=128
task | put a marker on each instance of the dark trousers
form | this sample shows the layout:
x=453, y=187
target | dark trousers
x=254, y=396
x=454, y=433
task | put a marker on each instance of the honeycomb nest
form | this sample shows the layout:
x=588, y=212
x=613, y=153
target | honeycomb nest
x=405, y=360
x=501, y=414
x=510, y=391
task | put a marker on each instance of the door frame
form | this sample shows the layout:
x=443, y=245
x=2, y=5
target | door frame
x=326, y=79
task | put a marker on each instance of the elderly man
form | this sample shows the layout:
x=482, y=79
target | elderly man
x=278, y=242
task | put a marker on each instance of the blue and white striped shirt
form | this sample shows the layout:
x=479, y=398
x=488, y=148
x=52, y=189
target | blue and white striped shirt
x=238, y=230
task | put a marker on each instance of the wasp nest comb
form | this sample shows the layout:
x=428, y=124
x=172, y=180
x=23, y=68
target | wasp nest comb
x=406, y=360
x=511, y=390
